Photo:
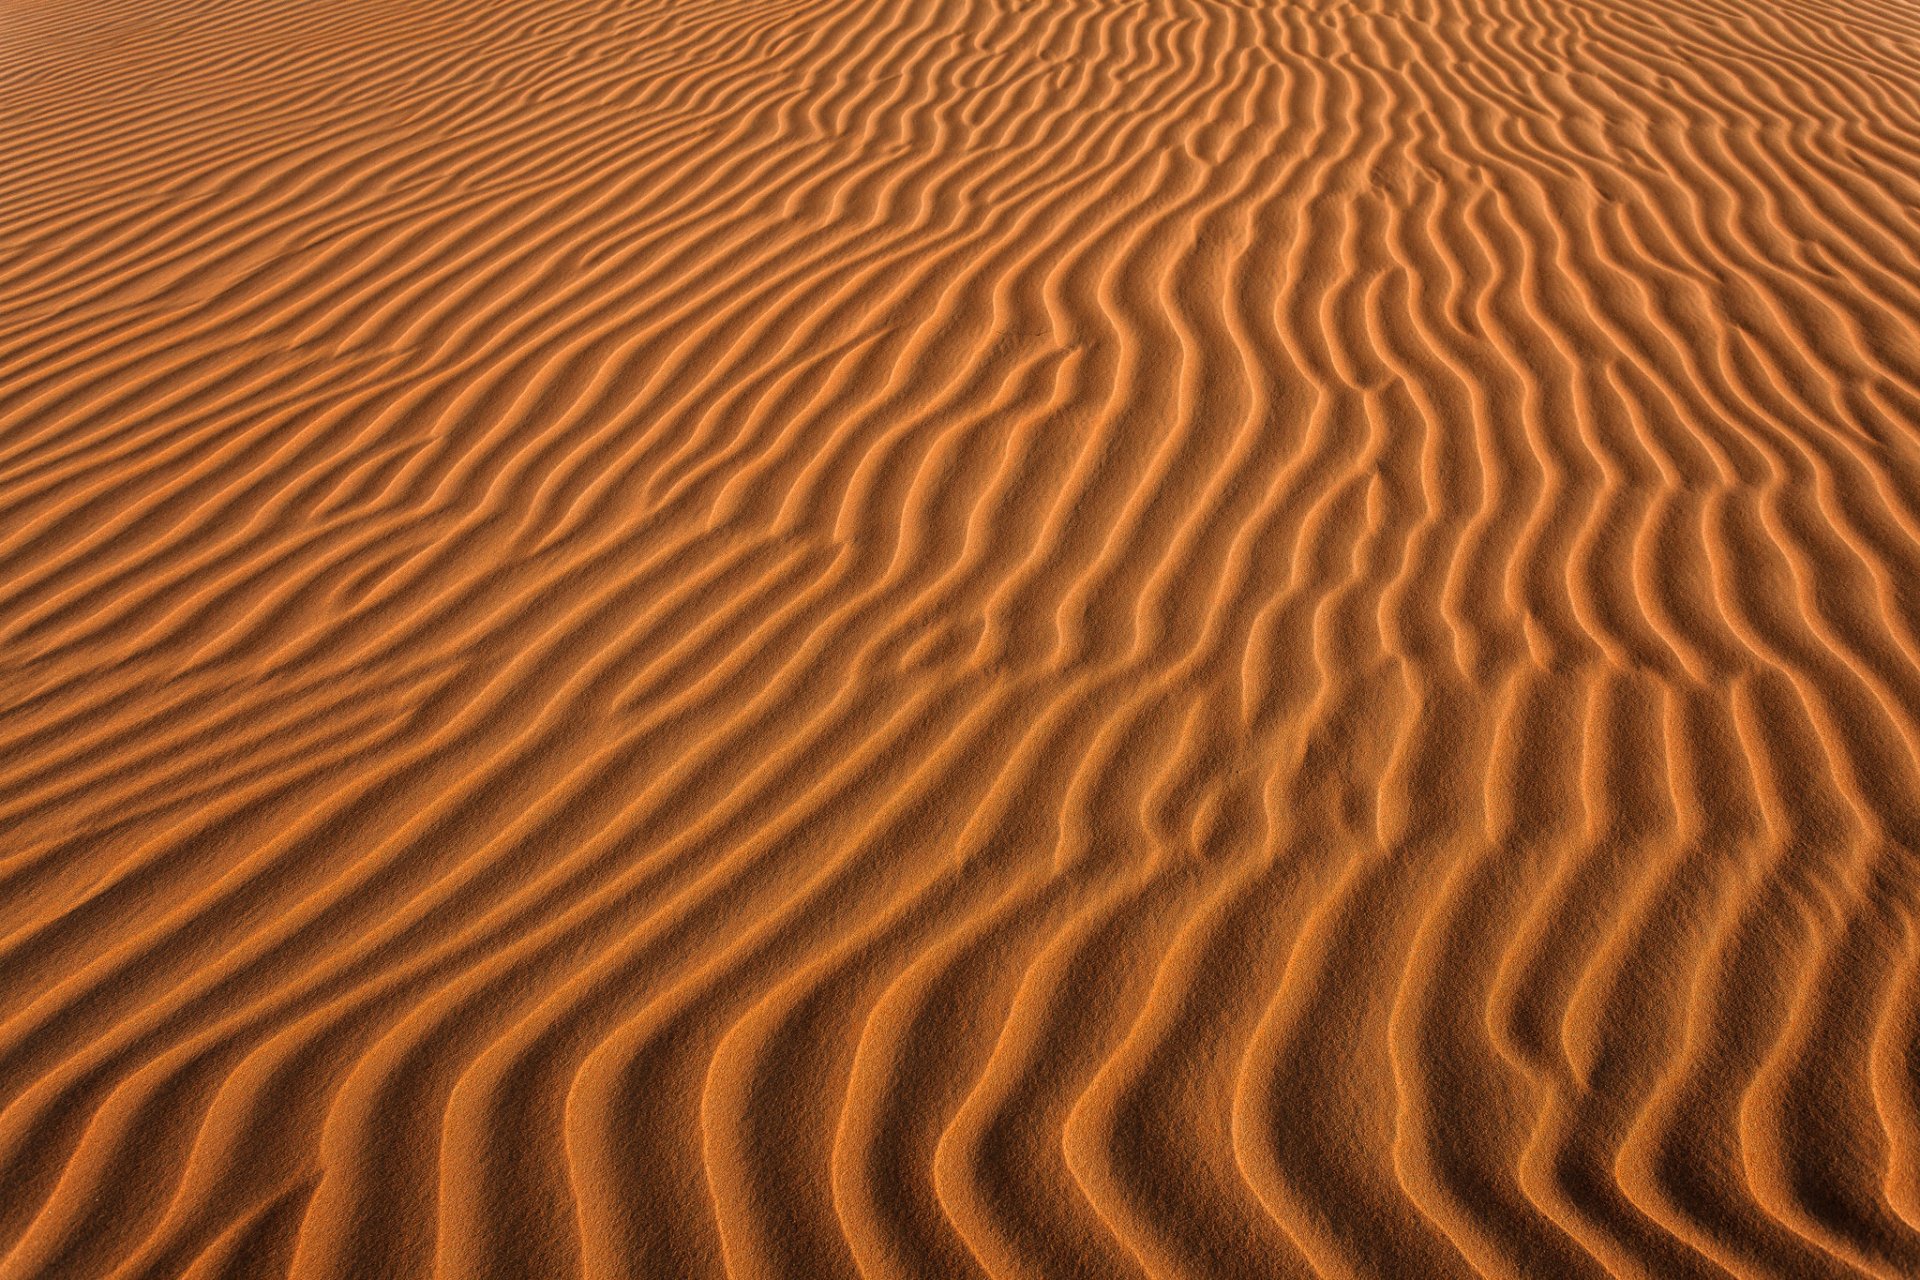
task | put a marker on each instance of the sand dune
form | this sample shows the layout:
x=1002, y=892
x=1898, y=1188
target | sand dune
x=941, y=638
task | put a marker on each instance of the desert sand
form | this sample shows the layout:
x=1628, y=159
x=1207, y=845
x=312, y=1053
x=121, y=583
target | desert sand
x=930, y=639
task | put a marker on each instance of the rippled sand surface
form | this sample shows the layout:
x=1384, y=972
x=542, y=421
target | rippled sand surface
x=924, y=639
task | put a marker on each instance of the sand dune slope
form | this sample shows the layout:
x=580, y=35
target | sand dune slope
x=944, y=638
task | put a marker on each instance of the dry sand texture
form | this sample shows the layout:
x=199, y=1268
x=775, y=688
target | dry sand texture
x=957, y=638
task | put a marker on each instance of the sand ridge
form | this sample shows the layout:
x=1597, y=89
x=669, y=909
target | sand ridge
x=938, y=638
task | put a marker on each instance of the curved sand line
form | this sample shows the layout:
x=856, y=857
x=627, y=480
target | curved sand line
x=959, y=637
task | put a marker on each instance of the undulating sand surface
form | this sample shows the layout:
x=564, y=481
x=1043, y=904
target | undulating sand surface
x=959, y=638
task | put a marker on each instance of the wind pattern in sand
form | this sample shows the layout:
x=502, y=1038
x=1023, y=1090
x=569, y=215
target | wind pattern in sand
x=959, y=638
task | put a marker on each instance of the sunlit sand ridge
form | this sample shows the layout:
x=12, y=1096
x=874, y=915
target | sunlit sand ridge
x=959, y=638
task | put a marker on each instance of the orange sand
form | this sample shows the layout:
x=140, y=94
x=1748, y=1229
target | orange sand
x=959, y=638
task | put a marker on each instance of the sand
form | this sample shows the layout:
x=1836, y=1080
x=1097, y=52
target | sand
x=959, y=638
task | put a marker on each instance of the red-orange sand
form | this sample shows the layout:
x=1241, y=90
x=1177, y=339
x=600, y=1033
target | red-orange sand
x=940, y=639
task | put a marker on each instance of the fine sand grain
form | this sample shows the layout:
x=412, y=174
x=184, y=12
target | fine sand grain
x=926, y=639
